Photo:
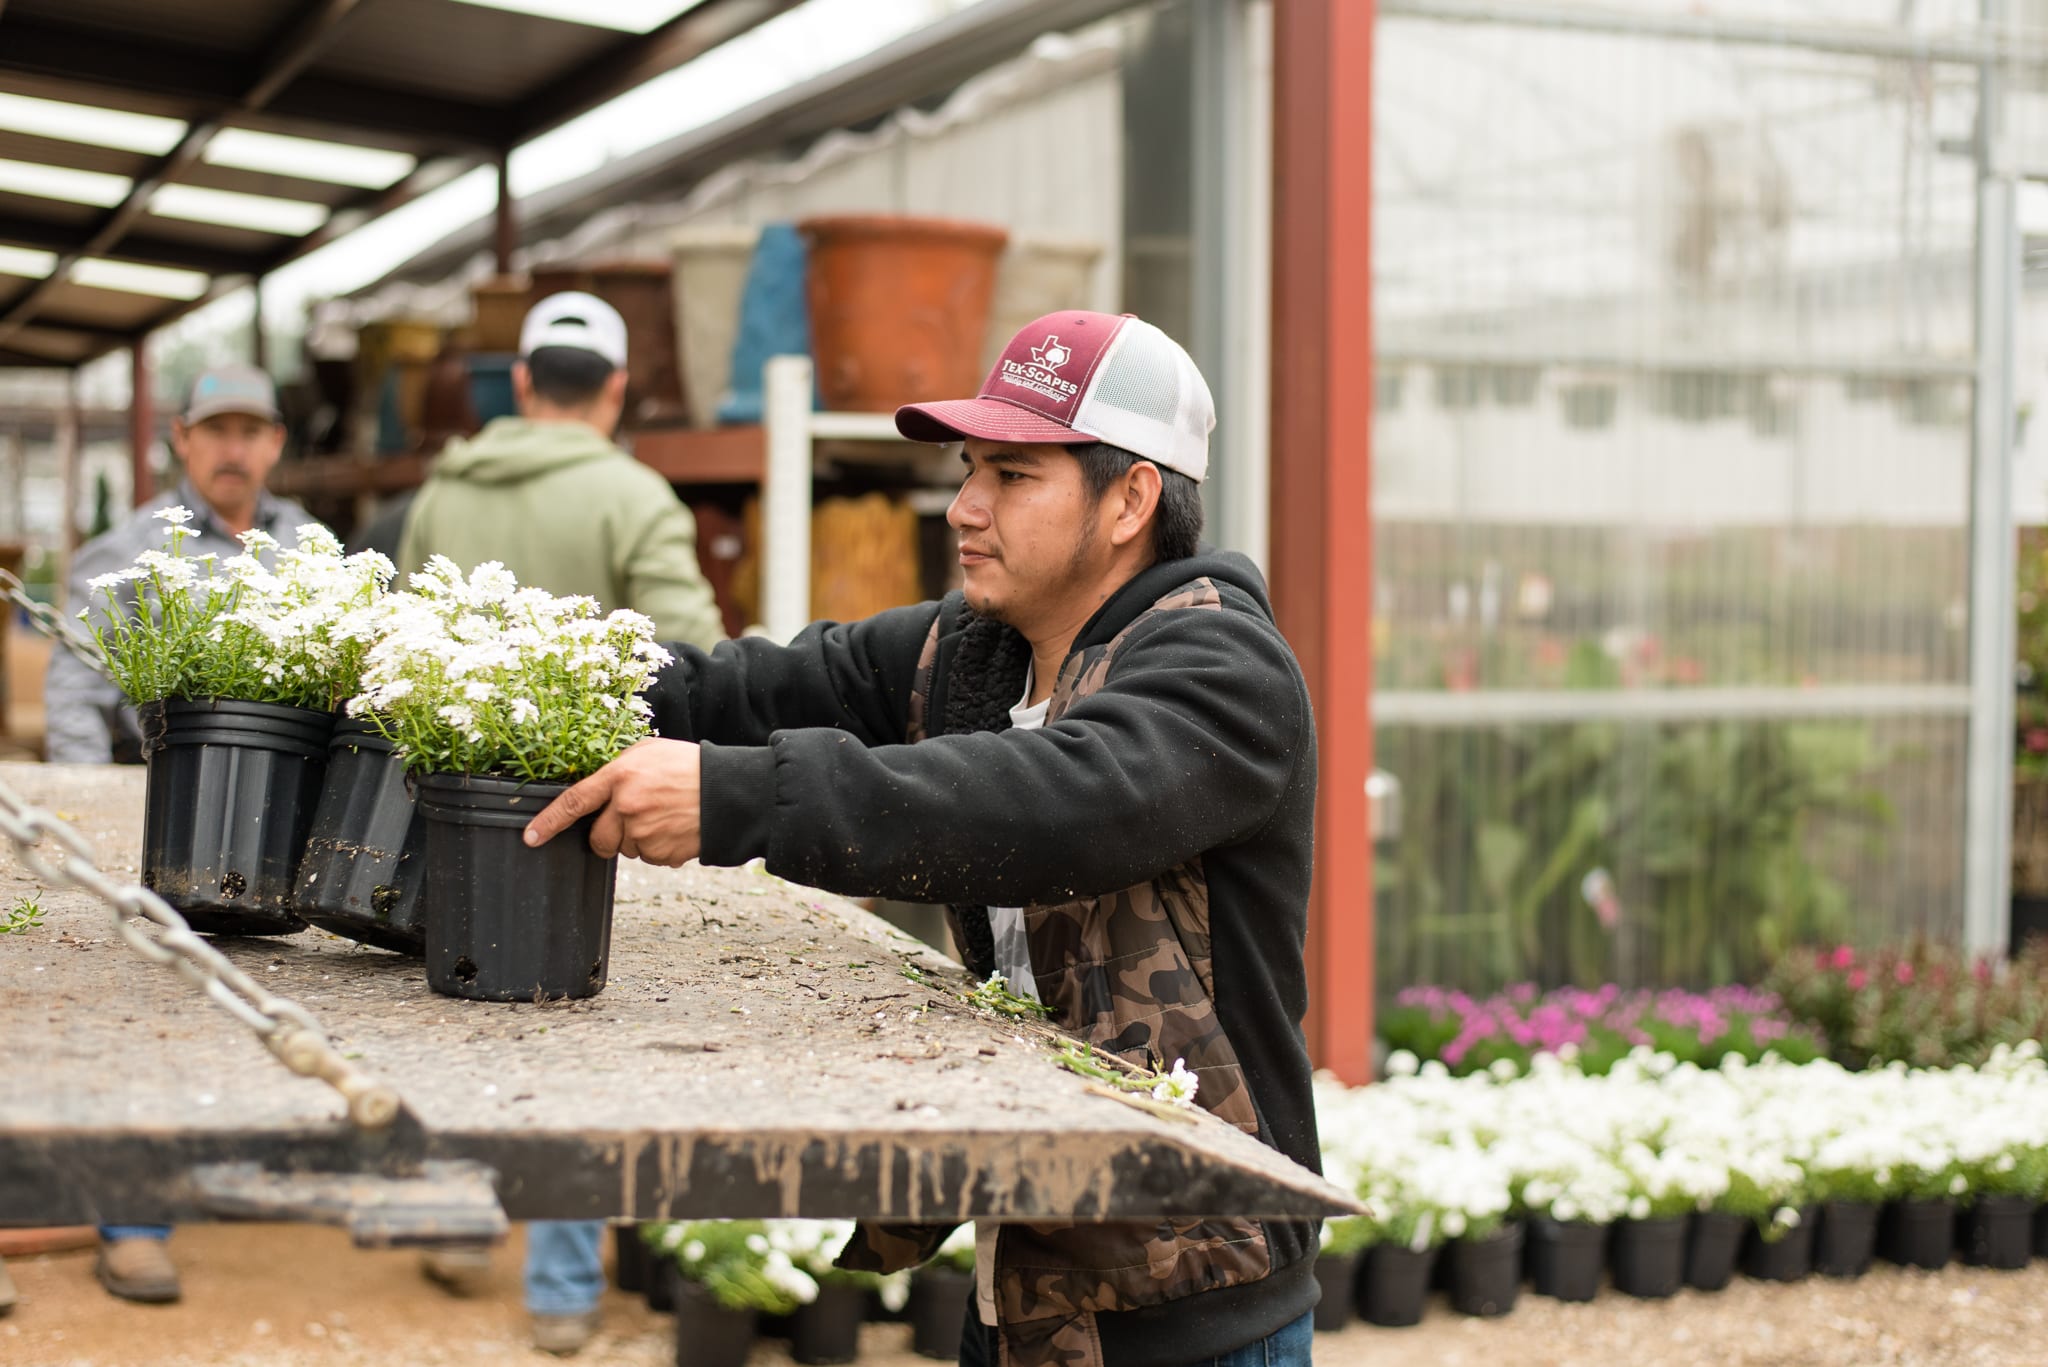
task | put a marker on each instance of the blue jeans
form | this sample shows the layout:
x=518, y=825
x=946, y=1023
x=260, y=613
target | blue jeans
x=109, y=1233
x=564, y=1271
x=1288, y=1346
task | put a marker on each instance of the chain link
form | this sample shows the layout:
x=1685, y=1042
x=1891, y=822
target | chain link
x=286, y=1028
x=47, y=620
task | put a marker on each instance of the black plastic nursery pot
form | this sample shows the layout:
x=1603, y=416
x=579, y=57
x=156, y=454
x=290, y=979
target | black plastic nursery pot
x=2041, y=1231
x=1918, y=1233
x=708, y=1334
x=1393, y=1285
x=662, y=1279
x=828, y=1329
x=1337, y=1277
x=1486, y=1274
x=1846, y=1241
x=1648, y=1257
x=227, y=806
x=1711, y=1248
x=938, y=1311
x=631, y=1264
x=1997, y=1232
x=504, y=922
x=1787, y=1258
x=365, y=857
x=1566, y=1258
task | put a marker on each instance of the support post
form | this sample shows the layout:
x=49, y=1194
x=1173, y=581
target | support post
x=1321, y=547
x=505, y=226
x=141, y=425
x=70, y=450
x=1987, y=871
x=259, y=345
x=786, y=497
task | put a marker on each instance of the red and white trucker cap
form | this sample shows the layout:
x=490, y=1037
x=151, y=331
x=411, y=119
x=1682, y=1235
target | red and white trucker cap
x=1077, y=377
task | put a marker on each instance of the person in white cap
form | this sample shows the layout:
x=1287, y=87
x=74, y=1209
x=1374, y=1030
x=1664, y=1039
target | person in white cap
x=550, y=497
x=1101, y=754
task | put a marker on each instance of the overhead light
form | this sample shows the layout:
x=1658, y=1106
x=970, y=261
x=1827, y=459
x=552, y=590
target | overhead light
x=86, y=123
x=26, y=261
x=627, y=16
x=162, y=281
x=340, y=163
x=230, y=208
x=62, y=182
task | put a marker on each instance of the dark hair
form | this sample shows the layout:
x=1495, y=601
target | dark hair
x=1176, y=522
x=567, y=376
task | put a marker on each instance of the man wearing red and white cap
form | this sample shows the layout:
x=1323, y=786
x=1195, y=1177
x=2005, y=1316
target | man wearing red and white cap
x=1101, y=754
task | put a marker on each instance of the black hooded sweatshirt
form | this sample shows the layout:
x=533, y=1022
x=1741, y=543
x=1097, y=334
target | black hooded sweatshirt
x=1200, y=744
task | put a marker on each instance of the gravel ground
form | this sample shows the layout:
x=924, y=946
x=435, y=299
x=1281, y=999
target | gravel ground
x=289, y=1296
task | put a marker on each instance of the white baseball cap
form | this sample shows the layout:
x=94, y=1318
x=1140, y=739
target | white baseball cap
x=1077, y=377
x=575, y=319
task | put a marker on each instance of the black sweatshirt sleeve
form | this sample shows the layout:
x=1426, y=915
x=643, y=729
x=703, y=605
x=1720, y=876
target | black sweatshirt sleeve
x=852, y=677
x=1188, y=746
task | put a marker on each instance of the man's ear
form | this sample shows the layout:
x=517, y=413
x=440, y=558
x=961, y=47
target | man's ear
x=615, y=387
x=1140, y=489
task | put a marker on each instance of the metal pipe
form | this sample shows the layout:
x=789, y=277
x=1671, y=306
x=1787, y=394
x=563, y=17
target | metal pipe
x=1519, y=707
x=1988, y=45
x=141, y=425
x=786, y=497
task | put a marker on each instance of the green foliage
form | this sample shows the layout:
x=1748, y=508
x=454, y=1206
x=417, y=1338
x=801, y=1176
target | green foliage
x=995, y=995
x=1922, y=1004
x=1349, y=1234
x=731, y=1259
x=25, y=915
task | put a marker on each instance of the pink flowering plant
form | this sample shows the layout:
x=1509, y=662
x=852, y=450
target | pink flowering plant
x=1598, y=1027
x=1924, y=1005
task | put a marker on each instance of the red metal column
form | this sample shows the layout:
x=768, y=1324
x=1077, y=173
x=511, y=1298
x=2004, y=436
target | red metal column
x=1322, y=476
x=141, y=425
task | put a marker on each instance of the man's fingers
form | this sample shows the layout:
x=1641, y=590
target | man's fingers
x=571, y=807
x=607, y=833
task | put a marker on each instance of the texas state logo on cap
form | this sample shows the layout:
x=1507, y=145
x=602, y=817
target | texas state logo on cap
x=1076, y=377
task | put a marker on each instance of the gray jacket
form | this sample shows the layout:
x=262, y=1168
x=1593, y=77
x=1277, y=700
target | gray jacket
x=87, y=719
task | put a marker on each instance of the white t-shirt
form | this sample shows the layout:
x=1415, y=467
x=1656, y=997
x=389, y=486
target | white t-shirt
x=1013, y=961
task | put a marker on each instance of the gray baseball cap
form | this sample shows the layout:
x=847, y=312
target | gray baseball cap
x=232, y=389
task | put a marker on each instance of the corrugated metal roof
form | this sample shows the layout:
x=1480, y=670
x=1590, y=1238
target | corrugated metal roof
x=447, y=83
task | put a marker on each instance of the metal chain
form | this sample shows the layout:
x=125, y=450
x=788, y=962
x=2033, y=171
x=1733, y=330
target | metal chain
x=47, y=620
x=286, y=1028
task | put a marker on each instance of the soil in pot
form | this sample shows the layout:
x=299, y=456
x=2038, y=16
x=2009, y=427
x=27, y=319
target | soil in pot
x=708, y=1334
x=1566, y=1258
x=1846, y=1241
x=1648, y=1257
x=1486, y=1274
x=1787, y=1258
x=828, y=1329
x=1393, y=1285
x=504, y=922
x=898, y=307
x=229, y=801
x=1711, y=1248
x=1337, y=1276
x=938, y=1311
x=364, y=862
x=1997, y=1232
x=1917, y=1233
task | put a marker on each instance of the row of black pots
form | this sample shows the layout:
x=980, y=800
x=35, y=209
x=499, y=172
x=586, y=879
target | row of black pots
x=825, y=1331
x=259, y=818
x=1652, y=1259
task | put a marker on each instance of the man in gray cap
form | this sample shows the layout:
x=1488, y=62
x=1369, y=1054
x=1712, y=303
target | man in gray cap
x=227, y=439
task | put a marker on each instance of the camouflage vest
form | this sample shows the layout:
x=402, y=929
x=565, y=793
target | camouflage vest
x=1131, y=973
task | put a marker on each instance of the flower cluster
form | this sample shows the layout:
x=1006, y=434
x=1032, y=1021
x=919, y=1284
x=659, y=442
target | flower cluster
x=814, y=1246
x=1603, y=1025
x=477, y=675
x=173, y=626
x=1926, y=1005
x=1434, y=1156
x=743, y=1264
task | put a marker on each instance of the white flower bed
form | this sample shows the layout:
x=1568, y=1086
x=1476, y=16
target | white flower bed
x=1436, y=1157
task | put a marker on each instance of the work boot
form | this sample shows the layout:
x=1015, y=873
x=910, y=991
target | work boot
x=8, y=1295
x=137, y=1270
x=564, y=1335
x=460, y=1271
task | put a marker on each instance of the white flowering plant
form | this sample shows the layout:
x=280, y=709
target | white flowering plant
x=815, y=1245
x=179, y=626
x=476, y=675
x=743, y=1264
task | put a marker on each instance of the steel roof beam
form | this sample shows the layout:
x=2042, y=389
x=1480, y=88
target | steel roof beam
x=148, y=250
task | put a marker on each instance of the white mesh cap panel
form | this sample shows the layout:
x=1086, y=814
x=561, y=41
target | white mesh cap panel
x=1148, y=397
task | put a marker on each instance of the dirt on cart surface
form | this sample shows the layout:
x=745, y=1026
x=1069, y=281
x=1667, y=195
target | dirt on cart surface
x=293, y=1296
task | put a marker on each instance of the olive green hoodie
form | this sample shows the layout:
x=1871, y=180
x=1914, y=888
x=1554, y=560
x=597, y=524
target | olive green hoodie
x=566, y=511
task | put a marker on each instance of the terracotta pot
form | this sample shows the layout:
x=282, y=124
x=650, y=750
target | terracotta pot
x=711, y=264
x=899, y=307
x=640, y=291
x=1037, y=276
